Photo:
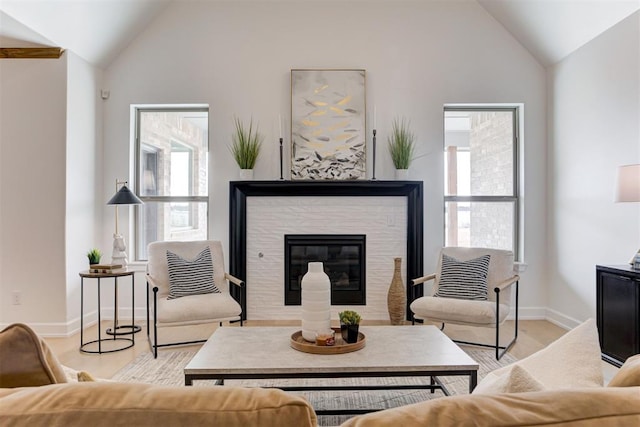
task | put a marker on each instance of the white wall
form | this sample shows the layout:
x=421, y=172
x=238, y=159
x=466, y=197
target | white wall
x=594, y=111
x=32, y=199
x=50, y=133
x=84, y=199
x=237, y=56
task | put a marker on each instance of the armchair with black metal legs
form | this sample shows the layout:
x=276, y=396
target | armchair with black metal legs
x=191, y=317
x=491, y=312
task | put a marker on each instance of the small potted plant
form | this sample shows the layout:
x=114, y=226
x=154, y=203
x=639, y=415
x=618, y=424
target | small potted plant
x=245, y=147
x=94, y=256
x=401, y=147
x=349, y=325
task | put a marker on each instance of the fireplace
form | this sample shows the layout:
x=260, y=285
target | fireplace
x=343, y=257
x=261, y=213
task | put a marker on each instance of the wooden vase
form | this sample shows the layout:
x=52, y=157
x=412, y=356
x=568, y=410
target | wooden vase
x=396, y=297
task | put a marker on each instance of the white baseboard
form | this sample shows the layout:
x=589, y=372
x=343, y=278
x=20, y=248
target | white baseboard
x=63, y=330
x=528, y=313
x=59, y=329
x=561, y=319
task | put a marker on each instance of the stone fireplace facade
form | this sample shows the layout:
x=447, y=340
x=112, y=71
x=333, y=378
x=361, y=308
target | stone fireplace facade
x=388, y=213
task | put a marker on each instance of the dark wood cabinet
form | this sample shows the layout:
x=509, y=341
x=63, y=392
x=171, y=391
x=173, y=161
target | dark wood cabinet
x=618, y=305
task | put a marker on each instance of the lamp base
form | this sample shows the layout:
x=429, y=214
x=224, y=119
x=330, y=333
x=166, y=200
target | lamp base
x=119, y=254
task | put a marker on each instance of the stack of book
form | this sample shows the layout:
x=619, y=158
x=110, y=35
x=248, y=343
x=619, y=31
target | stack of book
x=104, y=268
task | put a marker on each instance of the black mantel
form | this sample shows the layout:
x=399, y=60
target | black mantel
x=240, y=190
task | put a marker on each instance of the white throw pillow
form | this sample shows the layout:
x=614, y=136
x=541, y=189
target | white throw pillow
x=571, y=361
x=517, y=380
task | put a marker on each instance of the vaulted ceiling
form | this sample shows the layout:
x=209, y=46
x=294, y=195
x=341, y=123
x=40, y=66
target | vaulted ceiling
x=98, y=30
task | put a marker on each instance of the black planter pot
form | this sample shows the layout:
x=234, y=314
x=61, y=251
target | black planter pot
x=349, y=333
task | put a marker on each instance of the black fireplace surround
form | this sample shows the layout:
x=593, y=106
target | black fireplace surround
x=240, y=190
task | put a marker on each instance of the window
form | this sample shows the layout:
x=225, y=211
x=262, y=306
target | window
x=481, y=177
x=172, y=175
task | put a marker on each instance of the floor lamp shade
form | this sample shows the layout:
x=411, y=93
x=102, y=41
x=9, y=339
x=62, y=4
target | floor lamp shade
x=628, y=190
x=628, y=184
x=124, y=196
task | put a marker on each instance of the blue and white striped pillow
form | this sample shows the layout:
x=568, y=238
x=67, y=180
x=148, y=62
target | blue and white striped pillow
x=190, y=277
x=463, y=279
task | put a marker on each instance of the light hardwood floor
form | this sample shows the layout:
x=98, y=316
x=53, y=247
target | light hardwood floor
x=533, y=335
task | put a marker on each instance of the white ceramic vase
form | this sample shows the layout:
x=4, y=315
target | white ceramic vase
x=246, y=174
x=402, y=174
x=316, y=301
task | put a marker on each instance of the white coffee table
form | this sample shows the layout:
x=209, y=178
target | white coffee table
x=391, y=351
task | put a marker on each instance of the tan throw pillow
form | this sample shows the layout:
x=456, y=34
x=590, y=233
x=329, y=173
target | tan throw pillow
x=571, y=361
x=27, y=361
x=629, y=373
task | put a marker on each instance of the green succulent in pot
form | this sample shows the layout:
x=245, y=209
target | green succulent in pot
x=349, y=325
x=94, y=256
x=349, y=317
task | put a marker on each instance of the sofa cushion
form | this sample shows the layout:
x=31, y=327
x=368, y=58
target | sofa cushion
x=571, y=361
x=26, y=360
x=590, y=407
x=190, y=277
x=463, y=279
x=101, y=404
x=628, y=375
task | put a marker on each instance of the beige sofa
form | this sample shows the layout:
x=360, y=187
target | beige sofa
x=119, y=404
x=51, y=401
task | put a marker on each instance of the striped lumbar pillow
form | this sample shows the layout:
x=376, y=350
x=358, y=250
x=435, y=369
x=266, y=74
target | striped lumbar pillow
x=190, y=277
x=463, y=279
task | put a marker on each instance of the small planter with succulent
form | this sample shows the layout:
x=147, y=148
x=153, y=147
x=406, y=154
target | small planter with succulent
x=349, y=325
x=94, y=256
x=401, y=147
x=245, y=147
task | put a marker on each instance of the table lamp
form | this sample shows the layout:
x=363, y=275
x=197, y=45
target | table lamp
x=123, y=196
x=628, y=190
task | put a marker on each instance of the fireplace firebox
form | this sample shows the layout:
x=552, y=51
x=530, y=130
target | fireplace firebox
x=343, y=257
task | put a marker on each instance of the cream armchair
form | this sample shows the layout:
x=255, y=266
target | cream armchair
x=491, y=312
x=187, y=319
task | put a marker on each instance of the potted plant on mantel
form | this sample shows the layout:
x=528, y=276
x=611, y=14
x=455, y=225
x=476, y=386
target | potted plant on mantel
x=246, y=147
x=401, y=147
x=349, y=325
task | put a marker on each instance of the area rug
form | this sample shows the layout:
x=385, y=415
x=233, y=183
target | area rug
x=167, y=370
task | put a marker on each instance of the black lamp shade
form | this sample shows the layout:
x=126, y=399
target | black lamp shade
x=124, y=196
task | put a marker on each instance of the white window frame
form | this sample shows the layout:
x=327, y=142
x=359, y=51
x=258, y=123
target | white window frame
x=137, y=110
x=515, y=198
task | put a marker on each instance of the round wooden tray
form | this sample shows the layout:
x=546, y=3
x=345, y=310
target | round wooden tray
x=340, y=347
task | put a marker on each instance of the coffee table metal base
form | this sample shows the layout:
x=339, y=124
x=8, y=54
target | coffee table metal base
x=434, y=384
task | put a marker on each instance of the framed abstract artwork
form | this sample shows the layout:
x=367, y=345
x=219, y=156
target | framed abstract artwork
x=328, y=124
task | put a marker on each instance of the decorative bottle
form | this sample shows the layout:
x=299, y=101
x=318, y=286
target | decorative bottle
x=396, y=297
x=316, y=301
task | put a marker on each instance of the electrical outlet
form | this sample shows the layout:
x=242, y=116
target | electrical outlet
x=391, y=221
x=16, y=298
